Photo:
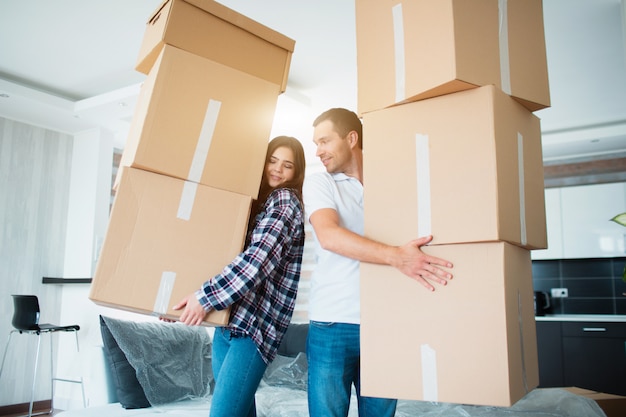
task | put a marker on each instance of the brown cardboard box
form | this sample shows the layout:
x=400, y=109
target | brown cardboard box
x=470, y=342
x=412, y=50
x=211, y=30
x=612, y=405
x=465, y=167
x=165, y=238
x=199, y=120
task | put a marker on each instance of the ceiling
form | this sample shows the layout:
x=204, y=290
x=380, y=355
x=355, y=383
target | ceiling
x=68, y=65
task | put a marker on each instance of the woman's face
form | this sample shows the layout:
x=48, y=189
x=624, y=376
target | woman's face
x=281, y=167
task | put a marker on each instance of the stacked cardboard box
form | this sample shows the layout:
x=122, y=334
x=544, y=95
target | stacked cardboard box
x=194, y=156
x=413, y=50
x=612, y=405
x=451, y=148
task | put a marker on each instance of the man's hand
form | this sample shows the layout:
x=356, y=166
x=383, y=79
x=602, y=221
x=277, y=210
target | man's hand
x=193, y=313
x=414, y=263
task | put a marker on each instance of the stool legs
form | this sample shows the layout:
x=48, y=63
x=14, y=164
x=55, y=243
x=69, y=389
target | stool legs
x=32, y=393
x=6, y=349
x=36, y=365
x=73, y=381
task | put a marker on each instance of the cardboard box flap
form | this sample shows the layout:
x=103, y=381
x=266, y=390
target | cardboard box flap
x=215, y=32
x=157, y=13
x=236, y=19
x=245, y=23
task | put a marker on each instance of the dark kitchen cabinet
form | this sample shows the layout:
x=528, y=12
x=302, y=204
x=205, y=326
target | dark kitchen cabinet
x=594, y=356
x=589, y=355
x=550, y=354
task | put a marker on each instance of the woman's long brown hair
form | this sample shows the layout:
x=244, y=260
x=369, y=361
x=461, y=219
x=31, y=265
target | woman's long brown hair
x=295, y=184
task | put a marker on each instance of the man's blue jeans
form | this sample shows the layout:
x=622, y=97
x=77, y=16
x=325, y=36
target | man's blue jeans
x=237, y=368
x=333, y=353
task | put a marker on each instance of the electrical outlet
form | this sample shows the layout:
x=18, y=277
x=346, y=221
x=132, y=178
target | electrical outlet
x=559, y=292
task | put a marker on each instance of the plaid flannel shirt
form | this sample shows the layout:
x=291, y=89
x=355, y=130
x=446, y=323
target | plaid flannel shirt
x=261, y=283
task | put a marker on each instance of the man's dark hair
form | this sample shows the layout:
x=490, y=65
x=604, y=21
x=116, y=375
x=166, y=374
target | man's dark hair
x=344, y=121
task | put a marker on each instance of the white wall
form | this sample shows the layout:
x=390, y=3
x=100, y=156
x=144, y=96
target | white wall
x=89, y=185
x=88, y=215
x=90, y=180
x=35, y=168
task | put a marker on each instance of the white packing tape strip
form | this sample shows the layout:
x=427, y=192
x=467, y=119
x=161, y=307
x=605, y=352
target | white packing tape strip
x=164, y=294
x=188, y=195
x=187, y=199
x=422, y=158
x=429, y=373
x=522, y=190
x=520, y=323
x=505, y=70
x=398, y=44
x=204, y=141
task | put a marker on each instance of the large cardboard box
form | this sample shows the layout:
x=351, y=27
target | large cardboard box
x=612, y=405
x=165, y=238
x=470, y=342
x=465, y=167
x=412, y=50
x=211, y=30
x=202, y=121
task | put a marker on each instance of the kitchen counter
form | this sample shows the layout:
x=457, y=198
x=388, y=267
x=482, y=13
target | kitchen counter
x=582, y=317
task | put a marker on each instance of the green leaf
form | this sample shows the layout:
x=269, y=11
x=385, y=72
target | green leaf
x=620, y=219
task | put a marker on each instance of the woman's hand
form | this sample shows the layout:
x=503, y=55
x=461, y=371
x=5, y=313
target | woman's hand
x=193, y=313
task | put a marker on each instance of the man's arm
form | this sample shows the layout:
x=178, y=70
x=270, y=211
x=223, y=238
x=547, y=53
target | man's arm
x=408, y=258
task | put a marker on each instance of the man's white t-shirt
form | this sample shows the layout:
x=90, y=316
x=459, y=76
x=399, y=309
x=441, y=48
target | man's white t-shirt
x=335, y=294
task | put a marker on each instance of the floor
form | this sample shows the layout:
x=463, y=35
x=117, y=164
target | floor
x=55, y=412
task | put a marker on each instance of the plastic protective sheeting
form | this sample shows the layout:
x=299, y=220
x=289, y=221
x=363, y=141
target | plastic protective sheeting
x=547, y=402
x=287, y=372
x=275, y=401
x=172, y=360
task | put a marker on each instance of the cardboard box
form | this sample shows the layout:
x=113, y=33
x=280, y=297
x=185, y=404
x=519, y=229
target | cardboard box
x=465, y=167
x=211, y=30
x=612, y=405
x=201, y=121
x=165, y=238
x=471, y=342
x=412, y=50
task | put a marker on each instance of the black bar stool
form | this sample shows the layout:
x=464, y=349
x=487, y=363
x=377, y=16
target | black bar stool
x=26, y=321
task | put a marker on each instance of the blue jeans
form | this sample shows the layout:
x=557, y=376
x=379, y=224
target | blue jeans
x=334, y=353
x=237, y=368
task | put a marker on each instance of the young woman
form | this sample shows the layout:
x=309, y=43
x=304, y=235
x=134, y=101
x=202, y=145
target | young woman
x=260, y=284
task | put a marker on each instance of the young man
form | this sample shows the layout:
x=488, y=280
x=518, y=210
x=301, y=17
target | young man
x=334, y=206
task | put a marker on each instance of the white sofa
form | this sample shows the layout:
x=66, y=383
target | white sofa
x=158, y=359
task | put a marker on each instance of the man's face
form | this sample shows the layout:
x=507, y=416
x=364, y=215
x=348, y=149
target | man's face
x=333, y=150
